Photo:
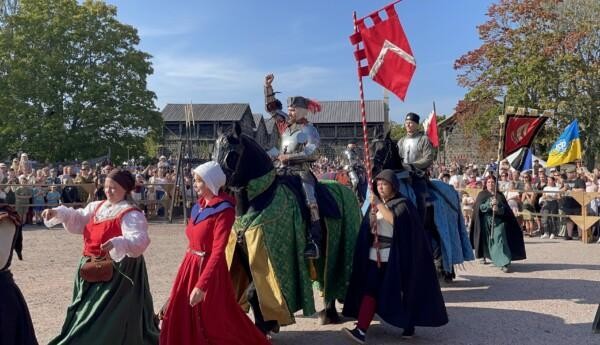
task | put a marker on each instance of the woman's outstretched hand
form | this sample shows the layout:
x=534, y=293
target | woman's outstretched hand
x=48, y=214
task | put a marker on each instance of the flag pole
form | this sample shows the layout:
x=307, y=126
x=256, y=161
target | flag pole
x=502, y=120
x=367, y=153
x=437, y=148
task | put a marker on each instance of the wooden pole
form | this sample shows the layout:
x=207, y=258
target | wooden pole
x=367, y=153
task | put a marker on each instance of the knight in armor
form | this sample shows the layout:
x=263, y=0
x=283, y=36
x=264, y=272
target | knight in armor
x=417, y=156
x=299, y=143
x=352, y=167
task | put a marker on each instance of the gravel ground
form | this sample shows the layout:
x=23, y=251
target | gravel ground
x=550, y=298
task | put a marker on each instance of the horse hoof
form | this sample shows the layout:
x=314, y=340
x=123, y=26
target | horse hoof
x=329, y=318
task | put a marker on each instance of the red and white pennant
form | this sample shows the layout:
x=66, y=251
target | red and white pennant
x=390, y=60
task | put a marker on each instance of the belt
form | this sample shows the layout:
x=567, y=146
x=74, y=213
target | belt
x=384, y=242
x=196, y=252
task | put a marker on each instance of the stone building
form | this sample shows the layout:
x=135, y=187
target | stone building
x=463, y=146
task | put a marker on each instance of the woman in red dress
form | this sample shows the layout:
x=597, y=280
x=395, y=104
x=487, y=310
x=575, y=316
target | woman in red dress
x=202, y=308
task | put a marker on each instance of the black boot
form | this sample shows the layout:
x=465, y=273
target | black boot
x=312, y=250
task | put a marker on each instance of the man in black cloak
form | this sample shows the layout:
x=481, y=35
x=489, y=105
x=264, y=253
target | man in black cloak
x=15, y=322
x=504, y=243
x=404, y=291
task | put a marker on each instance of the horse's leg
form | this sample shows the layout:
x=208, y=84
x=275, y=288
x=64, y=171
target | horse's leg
x=329, y=315
x=264, y=326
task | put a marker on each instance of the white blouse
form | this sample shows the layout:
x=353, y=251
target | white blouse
x=385, y=229
x=134, y=227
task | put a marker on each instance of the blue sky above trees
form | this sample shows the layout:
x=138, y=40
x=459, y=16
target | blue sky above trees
x=219, y=51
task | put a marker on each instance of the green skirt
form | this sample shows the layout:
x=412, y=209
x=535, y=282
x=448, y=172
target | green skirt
x=119, y=311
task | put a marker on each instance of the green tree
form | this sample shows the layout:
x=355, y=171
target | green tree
x=397, y=130
x=73, y=82
x=541, y=54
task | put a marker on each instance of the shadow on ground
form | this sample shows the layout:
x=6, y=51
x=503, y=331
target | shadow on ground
x=467, y=326
x=506, y=288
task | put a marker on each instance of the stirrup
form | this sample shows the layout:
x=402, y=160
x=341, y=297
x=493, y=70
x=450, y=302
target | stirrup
x=312, y=251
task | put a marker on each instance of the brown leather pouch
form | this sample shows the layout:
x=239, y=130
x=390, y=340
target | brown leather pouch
x=97, y=269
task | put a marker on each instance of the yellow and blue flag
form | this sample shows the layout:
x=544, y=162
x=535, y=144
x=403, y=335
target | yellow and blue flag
x=567, y=148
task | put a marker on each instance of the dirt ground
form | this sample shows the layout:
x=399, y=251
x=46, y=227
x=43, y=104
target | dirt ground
x=550, y=298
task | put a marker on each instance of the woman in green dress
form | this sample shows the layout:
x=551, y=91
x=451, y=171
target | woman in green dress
x=494, y=231
x=117, y=309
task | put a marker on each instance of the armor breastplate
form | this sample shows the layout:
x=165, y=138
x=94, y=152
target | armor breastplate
x=410, y=149
x=296, y=138
x=350, y=157
x=293, y=142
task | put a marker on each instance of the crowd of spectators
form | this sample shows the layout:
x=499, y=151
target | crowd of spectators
x=31, y=188
x=538, y=196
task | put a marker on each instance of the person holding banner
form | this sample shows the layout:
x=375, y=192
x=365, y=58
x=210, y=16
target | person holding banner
x=202, y=308
x=494, y=230
x=395, y=277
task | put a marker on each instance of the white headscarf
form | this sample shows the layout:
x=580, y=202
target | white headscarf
x=212, y=174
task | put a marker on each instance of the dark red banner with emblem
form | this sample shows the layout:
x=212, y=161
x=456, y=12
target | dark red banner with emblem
x=519, y=131
x=390, y=60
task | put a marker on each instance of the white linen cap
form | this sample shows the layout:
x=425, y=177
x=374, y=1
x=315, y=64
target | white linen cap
x=212, y=174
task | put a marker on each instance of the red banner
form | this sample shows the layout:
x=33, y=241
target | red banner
x=431, y=129
x=519, y=131
x=390, y=60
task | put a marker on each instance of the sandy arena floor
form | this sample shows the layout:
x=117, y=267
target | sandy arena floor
x=550, y=298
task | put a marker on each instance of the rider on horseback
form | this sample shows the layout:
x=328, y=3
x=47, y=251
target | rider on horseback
x=417, y=156
x=299, y=143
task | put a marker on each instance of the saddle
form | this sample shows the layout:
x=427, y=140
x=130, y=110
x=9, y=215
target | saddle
x=328, y=207
x=408, y=175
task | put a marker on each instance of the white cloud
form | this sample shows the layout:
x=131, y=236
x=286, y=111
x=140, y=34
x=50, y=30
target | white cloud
x=179, y=79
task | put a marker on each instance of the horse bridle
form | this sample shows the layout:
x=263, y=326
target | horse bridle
x=387, y=153
x=238, y=149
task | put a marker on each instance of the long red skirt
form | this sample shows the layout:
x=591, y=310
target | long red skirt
x=217, y=320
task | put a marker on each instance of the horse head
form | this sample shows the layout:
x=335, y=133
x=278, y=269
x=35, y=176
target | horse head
x=240, y=157
x=385, y=154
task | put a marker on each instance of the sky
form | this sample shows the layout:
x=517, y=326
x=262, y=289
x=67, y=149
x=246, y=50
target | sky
x=219, y=51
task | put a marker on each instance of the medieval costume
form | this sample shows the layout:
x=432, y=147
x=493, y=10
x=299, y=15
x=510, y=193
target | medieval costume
x=354, y=169
x=299, y=143
x=495, y=234
x=394, y=277
x=15, y=321
x=416, y=152
x=120, y=310
x=216, y=318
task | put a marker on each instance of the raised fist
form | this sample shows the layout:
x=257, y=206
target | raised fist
x=269, y=79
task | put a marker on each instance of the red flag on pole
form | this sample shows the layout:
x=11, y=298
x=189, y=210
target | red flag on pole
x=431, y=128
x=519, y=131
x=390, y=60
